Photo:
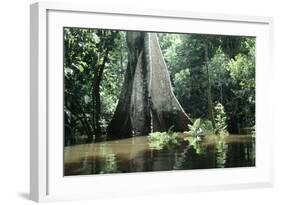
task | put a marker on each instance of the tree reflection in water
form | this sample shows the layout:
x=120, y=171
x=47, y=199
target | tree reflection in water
x=135, y=155
x=221, y=151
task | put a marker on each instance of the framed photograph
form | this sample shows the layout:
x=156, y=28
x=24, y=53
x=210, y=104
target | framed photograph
x=127, y=101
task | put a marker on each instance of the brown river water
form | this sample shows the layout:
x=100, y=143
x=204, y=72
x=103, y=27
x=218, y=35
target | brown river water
x=135, y=155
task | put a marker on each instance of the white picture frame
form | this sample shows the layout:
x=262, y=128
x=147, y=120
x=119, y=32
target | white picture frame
x=46, y=177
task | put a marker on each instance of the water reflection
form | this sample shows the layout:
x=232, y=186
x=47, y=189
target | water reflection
x=221, y=152
x=134, y=155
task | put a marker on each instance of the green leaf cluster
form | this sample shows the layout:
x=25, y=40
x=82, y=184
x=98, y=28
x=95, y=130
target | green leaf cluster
x=160, y=140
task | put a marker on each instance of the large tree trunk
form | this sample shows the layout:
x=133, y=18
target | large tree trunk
x=166, y=111
x=147, y=102
x=139, y=108
x=121, y=125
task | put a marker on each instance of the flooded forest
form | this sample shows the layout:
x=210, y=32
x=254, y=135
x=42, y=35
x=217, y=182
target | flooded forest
x=138, y=101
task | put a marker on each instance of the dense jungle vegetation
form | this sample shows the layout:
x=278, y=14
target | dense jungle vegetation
x=104, y=70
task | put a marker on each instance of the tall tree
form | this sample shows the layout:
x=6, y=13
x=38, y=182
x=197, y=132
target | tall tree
x=105, y=45
x=87, y=53
x=147, y=102
x=209, y=90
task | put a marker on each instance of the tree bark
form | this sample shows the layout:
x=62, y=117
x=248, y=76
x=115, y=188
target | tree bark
x=209, y=91
x=121, y=125
x=166, y=112
x=96, y=94
x=98, y=75
x=147, y=102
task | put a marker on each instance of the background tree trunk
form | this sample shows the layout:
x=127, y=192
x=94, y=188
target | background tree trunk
x=98, y=75
x=209, y=91
x=96, y=95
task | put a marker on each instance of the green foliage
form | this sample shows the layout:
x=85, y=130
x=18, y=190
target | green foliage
x=231, y=65
x=242, y=72
x=182, y=84
x=169, y=44
x=160, y=140
x=253, y=134
x=242, y=67
x=87, y=53
x=88, y=65
x=113, y=78
x=196, y=143
x=220, y=79
x=200, y=128
x=221, y=151
x=220, y=119
x=109, y=164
